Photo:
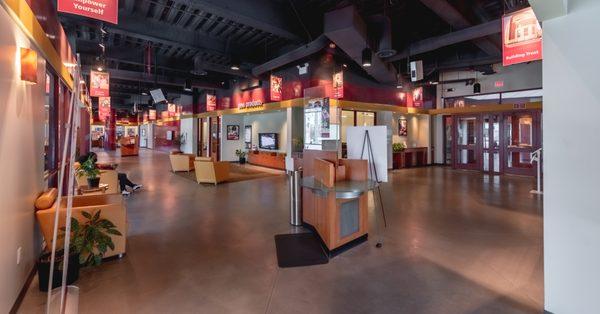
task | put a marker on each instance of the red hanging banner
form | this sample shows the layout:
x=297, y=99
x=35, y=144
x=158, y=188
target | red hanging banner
x=99, y=84
x=338, y=85
x=276, y=85
x=103, y=108
x=521, y=37
x=211, y=102
x=104, y=10
x=417, y=97
x=152, y=114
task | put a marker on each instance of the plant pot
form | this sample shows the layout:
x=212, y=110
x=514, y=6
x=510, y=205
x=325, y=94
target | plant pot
x=242, y=160
x=93, y=182
x=43, y=267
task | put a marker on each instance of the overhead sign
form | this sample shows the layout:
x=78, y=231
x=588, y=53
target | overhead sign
x=152, y=114
x=338, y=84
x=276, y=86
x=103, y=108
x=157, y=95
x=250, y=104
x=211, y=102
x=104, y=10
x=521, y=37
x=99, y=84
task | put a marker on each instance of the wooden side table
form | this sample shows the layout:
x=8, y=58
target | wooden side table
x=85, y=190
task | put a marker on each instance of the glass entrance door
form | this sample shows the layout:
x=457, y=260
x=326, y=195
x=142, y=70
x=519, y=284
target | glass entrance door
x=466, y=149
x=522, y=137
x=491, y=149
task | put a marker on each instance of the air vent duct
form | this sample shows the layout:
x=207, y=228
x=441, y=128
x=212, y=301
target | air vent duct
x=198, y=67
x=384, y=46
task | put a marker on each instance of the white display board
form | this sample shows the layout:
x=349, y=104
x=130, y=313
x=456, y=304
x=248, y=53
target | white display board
x=355, y=136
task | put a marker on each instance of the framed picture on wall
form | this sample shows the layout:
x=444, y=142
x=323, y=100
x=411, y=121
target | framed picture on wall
x=169, y=135
x=402, y=127
x=248, y=134
x=233, y=132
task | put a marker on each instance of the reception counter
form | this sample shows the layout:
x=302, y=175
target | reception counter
x=335, y=198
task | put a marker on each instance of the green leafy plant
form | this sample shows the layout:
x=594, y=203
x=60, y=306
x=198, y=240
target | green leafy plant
x=91, y=239
x=398, y=147
x=88, y=169
x=240, y=153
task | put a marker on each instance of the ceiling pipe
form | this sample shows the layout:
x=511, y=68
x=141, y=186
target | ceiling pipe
x=348, y=31
x=384, y=36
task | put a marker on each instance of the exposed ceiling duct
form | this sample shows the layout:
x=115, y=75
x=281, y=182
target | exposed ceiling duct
x=198, y=67
x=384, y=42
x=348, y=31
x=455, y=19
x=467, y=34
x=292, y=56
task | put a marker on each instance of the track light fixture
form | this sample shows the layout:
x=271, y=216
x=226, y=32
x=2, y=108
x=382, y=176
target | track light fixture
x=235, y=64
x=367, y=56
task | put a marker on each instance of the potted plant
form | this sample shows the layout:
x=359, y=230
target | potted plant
x=398, y=147
x=88, y=169
x=89, y=242
x=241, y=155
x=43, y=267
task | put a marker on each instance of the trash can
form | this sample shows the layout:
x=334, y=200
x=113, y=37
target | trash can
x=295, y=178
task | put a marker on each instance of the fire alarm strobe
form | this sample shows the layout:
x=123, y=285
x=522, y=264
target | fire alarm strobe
x=416, y=70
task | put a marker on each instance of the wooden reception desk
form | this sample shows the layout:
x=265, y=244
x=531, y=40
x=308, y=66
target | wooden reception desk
x=335, y=197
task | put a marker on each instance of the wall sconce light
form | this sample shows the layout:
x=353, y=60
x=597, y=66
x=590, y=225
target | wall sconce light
x=28, y=65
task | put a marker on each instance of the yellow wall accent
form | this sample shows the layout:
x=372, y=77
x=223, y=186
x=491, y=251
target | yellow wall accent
x=24, y=17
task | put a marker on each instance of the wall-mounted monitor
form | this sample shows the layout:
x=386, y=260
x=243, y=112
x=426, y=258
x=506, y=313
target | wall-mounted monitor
x=268, y=141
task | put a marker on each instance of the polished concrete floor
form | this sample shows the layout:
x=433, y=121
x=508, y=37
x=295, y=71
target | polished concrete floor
x=456, y=242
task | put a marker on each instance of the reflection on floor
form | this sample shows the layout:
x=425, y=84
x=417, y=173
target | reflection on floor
x=456, y=242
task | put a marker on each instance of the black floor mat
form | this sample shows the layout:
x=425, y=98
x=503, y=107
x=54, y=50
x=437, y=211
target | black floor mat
x=299, y=249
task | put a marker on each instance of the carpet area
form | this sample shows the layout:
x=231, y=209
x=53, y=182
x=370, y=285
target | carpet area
x=237, y=173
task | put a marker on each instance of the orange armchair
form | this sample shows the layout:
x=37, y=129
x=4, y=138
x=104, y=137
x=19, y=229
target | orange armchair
x=208, y=171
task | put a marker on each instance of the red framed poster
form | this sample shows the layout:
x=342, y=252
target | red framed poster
x=276, y=86
x=417, y=95
x=104, y=10
x=211, y=102
x=521, y=37
x=99, y=84
x=152, y=114
x=338, y=84
x=103, y=108
x=172, y=109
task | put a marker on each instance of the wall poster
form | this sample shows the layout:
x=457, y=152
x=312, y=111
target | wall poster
x=103, y=108
x=521, y=37
x=99, y=84
x=233, y=132
x=338, y=85
x=402, y=127
x=317, y=121
x=276, y=86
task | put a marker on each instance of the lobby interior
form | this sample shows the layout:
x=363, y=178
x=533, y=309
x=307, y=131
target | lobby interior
x=300, y=156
